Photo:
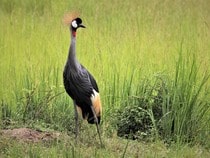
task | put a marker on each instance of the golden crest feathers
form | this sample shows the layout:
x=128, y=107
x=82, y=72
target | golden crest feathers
x=68, y=17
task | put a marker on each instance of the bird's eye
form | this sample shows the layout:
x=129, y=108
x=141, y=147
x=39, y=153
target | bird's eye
x=74, y=24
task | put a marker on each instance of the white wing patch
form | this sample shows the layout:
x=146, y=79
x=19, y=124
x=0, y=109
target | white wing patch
x=94, y=95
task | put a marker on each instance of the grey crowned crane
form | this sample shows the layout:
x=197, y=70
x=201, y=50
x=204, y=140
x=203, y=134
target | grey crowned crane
x=80, y=84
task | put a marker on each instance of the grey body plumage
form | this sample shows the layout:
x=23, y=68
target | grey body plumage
x=79, y=84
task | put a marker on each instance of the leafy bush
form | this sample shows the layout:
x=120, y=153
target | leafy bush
x=139, y=117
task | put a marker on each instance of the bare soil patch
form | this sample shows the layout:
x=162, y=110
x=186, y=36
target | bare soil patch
x=29, y=135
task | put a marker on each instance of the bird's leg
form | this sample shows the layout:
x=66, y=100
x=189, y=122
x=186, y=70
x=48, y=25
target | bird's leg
x=97, y=126
x=76, y=122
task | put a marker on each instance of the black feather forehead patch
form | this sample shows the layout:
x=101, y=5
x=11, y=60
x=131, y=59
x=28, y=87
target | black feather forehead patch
x=78, y=20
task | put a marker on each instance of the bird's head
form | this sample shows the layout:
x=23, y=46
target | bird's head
x=73, y=21
x=76, y=23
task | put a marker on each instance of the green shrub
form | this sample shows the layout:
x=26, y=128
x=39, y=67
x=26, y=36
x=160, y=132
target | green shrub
x=138, y=117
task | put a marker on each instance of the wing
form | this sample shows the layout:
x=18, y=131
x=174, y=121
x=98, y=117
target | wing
x=80, y=85
x=92, y=80
x=95, y=99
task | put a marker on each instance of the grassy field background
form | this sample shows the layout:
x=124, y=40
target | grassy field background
x=128, y=46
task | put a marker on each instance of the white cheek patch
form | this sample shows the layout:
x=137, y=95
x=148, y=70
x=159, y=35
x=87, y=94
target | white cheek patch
x=74, y=24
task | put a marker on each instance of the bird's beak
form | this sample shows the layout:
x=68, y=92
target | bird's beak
x=82, y=26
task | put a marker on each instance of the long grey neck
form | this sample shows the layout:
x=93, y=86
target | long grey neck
x=72, y=60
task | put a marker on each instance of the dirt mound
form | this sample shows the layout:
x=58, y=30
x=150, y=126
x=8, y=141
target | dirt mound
x=30, y=135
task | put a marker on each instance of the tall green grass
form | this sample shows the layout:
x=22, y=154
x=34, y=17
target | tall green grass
x=185, y=101
x=125, y=43
x=172, y=108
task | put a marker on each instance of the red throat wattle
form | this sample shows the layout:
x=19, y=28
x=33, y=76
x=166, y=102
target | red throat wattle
x=74, y=33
